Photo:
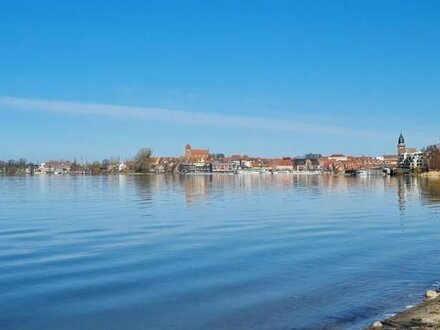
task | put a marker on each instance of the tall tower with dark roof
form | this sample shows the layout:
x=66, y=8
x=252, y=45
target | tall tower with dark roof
x=188, y=150
x=401, y=147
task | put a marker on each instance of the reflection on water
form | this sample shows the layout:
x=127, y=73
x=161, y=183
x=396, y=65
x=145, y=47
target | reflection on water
x=430, y=191
x=198, y=188
x=214, y=251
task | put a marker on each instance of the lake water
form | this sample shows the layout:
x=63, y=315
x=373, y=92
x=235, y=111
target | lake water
x=214, y=252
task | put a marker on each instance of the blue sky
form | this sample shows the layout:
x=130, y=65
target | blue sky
x=94, y=79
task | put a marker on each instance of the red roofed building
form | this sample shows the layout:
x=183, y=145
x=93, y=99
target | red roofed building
x=196, y=155
x=283, y=165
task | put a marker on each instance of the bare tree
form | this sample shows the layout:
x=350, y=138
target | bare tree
x=114, y=164
x=3, y=167
x=432, y=157
x=95, y=167
x=142, y=160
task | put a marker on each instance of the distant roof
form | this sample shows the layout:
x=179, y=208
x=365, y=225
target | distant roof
x=199, y=152
x=285, y=162
x=401, y=139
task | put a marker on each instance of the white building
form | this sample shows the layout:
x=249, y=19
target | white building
x=411, y=160
x=338, y=158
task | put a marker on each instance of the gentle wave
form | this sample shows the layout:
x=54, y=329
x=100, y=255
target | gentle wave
x=226, y=252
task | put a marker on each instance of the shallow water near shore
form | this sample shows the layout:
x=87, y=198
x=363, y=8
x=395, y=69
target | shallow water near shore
x=221, y=251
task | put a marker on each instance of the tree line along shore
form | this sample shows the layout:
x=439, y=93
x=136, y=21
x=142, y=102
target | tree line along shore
x=427, y=164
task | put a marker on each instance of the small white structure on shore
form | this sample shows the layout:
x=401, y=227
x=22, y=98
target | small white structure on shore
x=122, y=167
x=431, y=294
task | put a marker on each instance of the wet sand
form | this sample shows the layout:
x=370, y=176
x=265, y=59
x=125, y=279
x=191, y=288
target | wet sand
x=423, y=316
x=431, y=174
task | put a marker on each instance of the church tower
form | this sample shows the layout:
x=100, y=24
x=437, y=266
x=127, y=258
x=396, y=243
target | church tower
x=401, y=147
x=188, y=151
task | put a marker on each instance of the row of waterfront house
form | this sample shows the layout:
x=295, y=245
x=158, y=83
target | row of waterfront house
x=202, y=161
x=216, y=164
x=407, y=159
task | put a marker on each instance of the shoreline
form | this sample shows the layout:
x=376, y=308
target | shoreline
x=428, y=175
x=425, y=315
x=431, y=174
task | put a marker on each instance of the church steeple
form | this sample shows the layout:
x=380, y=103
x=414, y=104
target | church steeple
x=401, y=148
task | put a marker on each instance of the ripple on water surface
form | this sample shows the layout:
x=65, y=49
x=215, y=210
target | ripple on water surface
x=225, y=252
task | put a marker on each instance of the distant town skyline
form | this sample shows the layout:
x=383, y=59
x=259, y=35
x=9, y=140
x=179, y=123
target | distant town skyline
x=98, y=79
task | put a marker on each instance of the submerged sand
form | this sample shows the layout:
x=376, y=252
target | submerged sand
x=431, y=174
x=423, y=316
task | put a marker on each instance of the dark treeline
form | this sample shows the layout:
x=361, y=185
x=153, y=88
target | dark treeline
x=141, y=163
x=15, y=167
x=432, y=158
x=23, y=167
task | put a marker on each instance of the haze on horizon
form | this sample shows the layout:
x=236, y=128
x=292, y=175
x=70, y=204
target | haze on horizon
x=104, y=78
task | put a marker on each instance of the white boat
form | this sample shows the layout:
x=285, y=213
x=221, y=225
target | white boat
x=262, y=171
x=306, y=172
x=362, y=173
x=282, y=172
x=241, y=171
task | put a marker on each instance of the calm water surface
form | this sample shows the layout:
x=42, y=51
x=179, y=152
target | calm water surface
x=214, y=252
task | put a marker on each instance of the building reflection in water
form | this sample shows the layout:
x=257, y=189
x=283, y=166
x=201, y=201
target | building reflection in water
x=201, y=189
x=430, y=190
x=403, y=186
x=414, y=188
x=144, y=185
x=197, y=188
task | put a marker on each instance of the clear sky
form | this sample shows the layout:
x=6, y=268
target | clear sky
x=94, y=79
